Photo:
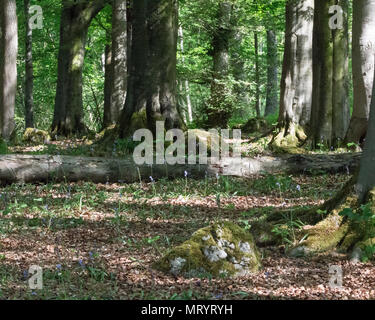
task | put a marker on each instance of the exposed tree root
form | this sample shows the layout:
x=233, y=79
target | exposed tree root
x=337, y=232
x=289, y=139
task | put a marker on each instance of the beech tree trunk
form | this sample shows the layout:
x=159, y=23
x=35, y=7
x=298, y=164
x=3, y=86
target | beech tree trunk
x=218, y=110
x=240, y=75
x=186, y=85
x=366, y=178
x=118, y=73
x=272, y=74
x=297, y=77
x=109, y=114
x=8, y=66
x=29, y=71
x=152, y=81
x=257, y=75
x=44, y=168
x=330, y=105
x=75, y=21
x=296, y=82
x=363, y=68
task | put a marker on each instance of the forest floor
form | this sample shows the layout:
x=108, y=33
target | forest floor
x=98, y=241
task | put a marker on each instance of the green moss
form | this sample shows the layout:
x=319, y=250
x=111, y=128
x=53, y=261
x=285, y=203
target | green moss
x=289, y=140
x=34, y=135
x=138, y=121
x=220, y=249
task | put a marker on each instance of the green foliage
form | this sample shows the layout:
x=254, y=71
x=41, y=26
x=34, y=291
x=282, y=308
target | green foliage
x=273, y=182
x=363, y=221
x=3, y=147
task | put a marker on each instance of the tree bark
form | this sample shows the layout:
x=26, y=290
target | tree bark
x=118, y=67
x=272, y=74
x=330, y=107
x=297, y=78
x=363, y=68
x=218, y=110
x=152, y=81
x=75, y=21
x=366, y=178
x=29, y=71
x=44, y=168
x=109, y=115
x=240, y=75
x=185, y=82
x=8, y=66
x=257, y=75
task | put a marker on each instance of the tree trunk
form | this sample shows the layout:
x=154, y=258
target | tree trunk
x=186, y=82
x=366, y=178
x=272, y=74
x=218, y=110
x=42, y=168
x=75, y=21
x=240, y=76
x=335, y=231
x=8, y=66
x=151, y=91
x=330, y=107
x=257, y=75
x=109, y=114
x=297, y=78
x=29, y=72
x=118, y=62
x=363, y=67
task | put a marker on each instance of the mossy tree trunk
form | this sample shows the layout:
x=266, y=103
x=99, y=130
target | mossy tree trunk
x=330, y=105
x=151, y=90
x=218, y=111
x=336, y=231
x=75, y=21
x=297, y=78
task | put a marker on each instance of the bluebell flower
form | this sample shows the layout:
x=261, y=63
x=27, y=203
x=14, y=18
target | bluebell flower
x=185, y=173
x=33, y=293
x=58, y=267
x=152, y=179
x=25, y=274
x=298, y=188
x=81, y=263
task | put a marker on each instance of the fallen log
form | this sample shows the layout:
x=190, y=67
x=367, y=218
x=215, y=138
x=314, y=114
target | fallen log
x=44, y=168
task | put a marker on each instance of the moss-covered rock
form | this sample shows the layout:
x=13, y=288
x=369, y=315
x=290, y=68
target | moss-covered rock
x=33, y=135
x=222, y=249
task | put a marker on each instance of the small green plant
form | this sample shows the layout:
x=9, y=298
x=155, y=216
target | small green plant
x=287, y=231
x=363, y=220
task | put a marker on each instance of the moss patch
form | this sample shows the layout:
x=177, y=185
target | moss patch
x=33, y=135
x=222, y=249
x=288, y=140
